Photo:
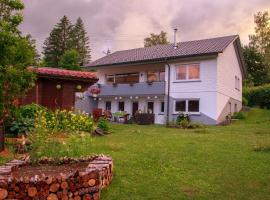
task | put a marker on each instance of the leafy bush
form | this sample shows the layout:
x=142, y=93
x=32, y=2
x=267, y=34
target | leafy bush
x=103, y=124
x=239, y=115
x=258, y=96
x=244, y=101
x=181, y=117
x=184, y=123
x=21, y=120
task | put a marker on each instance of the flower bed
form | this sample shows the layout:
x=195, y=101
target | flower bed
x=81, y=178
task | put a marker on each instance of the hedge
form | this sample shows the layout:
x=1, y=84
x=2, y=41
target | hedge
x=258, y=96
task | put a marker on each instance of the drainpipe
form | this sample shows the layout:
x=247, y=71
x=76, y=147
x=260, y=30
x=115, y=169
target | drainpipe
x=168, y=92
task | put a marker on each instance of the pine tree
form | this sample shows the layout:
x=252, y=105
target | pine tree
x=58, y=42
x=80, y=42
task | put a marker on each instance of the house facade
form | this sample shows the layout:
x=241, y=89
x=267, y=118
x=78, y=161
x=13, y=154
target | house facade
x=202, y=78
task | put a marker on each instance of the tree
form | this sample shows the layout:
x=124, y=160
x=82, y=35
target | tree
x=70, y=60
x=57, y=43
x=16, y=54
x=156, y=39
x=257, y=67
x=80, y=42
x=261, y=39
x=257, y=53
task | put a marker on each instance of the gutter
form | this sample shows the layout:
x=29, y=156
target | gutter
x=168, y=92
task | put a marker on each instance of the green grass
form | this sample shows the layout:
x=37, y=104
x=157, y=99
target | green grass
x=154, y=162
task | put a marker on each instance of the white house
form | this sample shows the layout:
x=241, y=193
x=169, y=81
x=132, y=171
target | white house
x=202, y=78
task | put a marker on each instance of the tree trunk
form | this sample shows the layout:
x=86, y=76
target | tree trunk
x=2, y=136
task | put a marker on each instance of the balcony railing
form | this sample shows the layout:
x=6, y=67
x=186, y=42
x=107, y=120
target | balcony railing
x=154, y=88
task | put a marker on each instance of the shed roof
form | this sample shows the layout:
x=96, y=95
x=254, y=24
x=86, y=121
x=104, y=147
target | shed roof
x=64, y=74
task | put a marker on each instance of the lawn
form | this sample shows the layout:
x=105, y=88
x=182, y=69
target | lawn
x=154, y=162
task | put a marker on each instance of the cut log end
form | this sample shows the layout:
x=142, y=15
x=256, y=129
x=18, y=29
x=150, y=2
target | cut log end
x=52, y=197
x=32, y=191
x=3, y=193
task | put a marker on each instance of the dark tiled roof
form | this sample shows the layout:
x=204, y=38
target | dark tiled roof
x=159, y=52
x=64, y=73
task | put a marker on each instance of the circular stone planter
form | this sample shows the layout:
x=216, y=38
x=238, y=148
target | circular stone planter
x=76, y=179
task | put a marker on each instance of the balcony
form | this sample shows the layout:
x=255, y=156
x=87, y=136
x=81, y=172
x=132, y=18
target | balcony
x=154, y=88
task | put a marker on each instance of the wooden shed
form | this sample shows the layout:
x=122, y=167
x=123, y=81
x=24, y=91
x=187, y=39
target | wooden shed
x=56, y=88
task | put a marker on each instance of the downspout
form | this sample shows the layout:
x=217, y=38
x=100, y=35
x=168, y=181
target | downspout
x=168, y=92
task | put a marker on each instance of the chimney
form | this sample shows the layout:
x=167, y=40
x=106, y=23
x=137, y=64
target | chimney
x=174, y=42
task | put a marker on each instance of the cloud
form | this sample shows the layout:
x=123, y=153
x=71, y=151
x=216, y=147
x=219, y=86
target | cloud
x=123, y=24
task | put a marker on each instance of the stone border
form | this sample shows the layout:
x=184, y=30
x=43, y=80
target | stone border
x=85, y=185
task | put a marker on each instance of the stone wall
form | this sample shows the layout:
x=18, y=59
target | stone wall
x=85, y=185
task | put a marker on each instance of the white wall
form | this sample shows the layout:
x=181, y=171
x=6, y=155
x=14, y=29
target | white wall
x=227, y=68
x=204, y=89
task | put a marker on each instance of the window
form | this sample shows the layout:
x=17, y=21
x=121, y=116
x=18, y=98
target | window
x=193, y=106
x=121, y=106
x=180, y=106
x=187, y=105
x=156, y=76
x=108, y=105
x=188, y=72
x=162, y=107
x=110, y=79
x=123, y=78
x=193, y=72
x=150, y=107
x=181, y=73
x=162, y=76
x=237, y=82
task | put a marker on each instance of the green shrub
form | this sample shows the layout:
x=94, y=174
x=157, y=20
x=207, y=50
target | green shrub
x=239, y=115
x=181, y=117
x=21, y=120
x=103, y=124
x=244, y=101
x=258, y=96
x=184, y=123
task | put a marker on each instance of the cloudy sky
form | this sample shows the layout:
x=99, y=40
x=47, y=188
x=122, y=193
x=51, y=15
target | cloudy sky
x=123, y=24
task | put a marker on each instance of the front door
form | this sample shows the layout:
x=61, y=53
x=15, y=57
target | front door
x=135, y=107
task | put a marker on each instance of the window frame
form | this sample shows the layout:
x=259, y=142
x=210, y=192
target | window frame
x=186, y=65
x=186, y=107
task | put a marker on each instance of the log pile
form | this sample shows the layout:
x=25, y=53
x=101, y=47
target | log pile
x=84, y=185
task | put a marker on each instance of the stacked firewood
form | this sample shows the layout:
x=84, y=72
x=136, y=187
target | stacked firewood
x=85, y=185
